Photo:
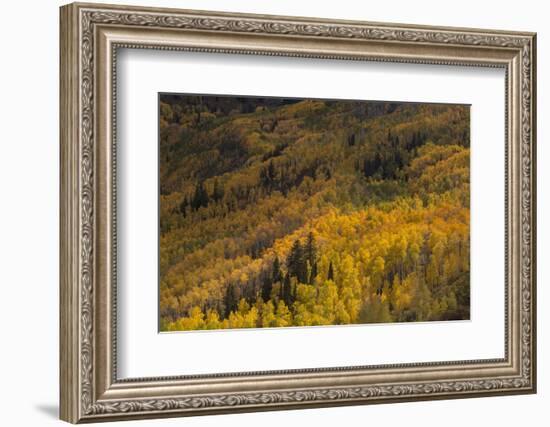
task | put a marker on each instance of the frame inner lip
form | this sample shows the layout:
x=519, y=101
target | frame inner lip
x=341, y=370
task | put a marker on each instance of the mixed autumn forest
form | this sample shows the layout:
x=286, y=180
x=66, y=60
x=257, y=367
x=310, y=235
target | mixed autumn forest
x=290, y=212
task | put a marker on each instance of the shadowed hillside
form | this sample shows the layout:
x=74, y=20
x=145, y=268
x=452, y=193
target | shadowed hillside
x=284, y=212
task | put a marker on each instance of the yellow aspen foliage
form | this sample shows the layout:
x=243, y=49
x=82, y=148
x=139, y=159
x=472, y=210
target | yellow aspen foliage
x=283, y=316
x=342, y=316
x=213, y=320
x=277, y=213
x=268, y=315
x=250, y=319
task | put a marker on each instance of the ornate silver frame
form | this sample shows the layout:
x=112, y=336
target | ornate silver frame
x=90, y=36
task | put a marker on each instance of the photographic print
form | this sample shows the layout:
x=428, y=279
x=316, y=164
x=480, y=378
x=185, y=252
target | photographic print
x=280, y=212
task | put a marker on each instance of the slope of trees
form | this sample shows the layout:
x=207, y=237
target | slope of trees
x=297, y=213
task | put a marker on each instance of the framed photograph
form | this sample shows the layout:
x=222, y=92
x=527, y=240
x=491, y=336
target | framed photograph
x=265, y=212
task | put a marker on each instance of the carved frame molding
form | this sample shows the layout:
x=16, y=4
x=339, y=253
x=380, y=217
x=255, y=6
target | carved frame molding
x=90, y=36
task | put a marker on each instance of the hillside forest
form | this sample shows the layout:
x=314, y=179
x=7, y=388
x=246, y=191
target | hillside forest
x=278, y=212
